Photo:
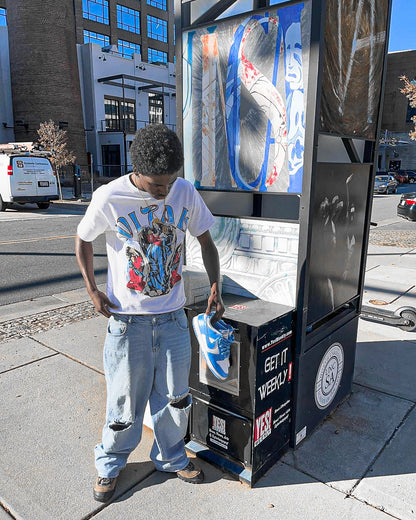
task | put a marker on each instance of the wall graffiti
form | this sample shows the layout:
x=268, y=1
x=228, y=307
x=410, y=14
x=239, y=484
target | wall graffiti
x=258, y=258
x=244, y=84
x=337, y=237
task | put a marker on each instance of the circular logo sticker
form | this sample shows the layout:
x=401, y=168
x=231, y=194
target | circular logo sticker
x=329, y=376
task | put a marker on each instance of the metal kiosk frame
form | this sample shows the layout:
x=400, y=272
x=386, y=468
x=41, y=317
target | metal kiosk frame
x=347, y=45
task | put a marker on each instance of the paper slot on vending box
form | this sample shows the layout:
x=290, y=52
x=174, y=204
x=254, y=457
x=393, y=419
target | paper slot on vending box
x=231, y=384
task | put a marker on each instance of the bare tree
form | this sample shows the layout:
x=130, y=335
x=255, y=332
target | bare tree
x=409, y=90
x=54, y=139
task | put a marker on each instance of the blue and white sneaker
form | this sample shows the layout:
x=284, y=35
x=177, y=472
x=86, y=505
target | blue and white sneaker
x=214, y=340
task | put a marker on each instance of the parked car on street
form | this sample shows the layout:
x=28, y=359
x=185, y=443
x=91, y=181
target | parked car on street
x=411, y=175
x=400, y=176
x=384, y=183
x=407, y=206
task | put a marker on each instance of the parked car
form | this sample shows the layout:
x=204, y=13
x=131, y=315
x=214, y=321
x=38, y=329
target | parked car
x=385, y=183
x=411, y=175
x=407, y=206
x=400, y=176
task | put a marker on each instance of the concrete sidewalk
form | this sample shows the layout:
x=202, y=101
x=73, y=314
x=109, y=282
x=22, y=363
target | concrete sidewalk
x=359, y=464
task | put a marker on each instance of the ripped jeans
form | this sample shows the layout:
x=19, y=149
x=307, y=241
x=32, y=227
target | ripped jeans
x=146, y=358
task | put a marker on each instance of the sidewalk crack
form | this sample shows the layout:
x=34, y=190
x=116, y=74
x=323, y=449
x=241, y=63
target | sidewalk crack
x=29, y=363
x=72, y=358
x=388, y=441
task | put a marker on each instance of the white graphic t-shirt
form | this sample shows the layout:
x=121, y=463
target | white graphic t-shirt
x=144, y=238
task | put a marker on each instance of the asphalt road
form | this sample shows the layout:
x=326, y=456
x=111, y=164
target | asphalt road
x=37, y=246
x=384, y=210
x=37, y=252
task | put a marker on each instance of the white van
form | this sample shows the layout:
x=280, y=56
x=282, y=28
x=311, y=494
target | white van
x=26, y=177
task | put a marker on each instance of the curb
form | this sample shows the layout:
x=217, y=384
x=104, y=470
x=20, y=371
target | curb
x=71, y=203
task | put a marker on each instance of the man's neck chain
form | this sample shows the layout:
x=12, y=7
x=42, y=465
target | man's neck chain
x=149, y=207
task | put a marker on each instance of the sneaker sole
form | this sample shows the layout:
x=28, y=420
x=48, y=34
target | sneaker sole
x=195, y=480
x=103, y=497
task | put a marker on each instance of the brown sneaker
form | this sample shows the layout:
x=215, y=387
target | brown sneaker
x=191, y=474
x=104, y=488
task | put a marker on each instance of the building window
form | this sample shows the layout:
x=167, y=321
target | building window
x=155, y=108
x=111, y=160
x=96, y=10
x=127, y=49
x=92, y=37
x=128, y=19
x=155, y=56
x=411, y=112
x=120, y=116
x=3, y=18
x=112, y=114
x=157, y=29
x=128, y=116
x=160, y=4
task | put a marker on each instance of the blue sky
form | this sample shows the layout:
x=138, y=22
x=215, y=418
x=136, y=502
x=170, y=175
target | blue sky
x=403, y=26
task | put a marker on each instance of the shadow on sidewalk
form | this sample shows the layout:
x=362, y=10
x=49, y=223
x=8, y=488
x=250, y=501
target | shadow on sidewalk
x=141, y=475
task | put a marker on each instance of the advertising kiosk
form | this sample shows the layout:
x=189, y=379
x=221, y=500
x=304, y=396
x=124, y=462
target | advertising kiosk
x=280, y=109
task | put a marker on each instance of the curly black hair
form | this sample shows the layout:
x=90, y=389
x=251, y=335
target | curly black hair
x=156, y=150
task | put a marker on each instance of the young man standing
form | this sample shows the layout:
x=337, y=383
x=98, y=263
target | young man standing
x=144, y=216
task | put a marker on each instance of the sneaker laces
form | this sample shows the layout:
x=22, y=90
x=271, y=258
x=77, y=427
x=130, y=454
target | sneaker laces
x=224, y=346
x=226, y=338
x=104, y=481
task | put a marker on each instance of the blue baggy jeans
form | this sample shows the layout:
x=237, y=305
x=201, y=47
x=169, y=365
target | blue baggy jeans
x=146, y=358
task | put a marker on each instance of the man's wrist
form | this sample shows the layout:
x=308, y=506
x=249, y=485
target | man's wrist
x=216, y=286
x=92, y=290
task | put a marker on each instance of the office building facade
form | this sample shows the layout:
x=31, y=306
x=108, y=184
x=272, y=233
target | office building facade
x=397, y=151
x=60, y=55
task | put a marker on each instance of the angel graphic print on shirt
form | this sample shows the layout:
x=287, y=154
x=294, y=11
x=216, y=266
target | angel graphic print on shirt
x=144, y=240
x=153, y=260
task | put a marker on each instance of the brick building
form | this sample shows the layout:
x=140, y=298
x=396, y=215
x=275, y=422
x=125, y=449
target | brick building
x=397, y=150
x=49, y=81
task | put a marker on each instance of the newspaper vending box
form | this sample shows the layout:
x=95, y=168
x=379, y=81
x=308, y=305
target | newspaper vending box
x=242, y=423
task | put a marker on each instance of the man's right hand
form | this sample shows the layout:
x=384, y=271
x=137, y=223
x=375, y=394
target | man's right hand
x=85, y=259
x=102, y=303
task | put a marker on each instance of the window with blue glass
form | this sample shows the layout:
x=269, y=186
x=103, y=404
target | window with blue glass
x=3, y=18
x=157, y=28
x=160, y=4
x=155, y=56
x=127, y=49
x=96, y=10
x=93, y=37
x=128, y=19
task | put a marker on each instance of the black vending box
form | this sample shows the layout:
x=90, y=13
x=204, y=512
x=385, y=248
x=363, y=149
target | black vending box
x=242, y=422
x=324, y=375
